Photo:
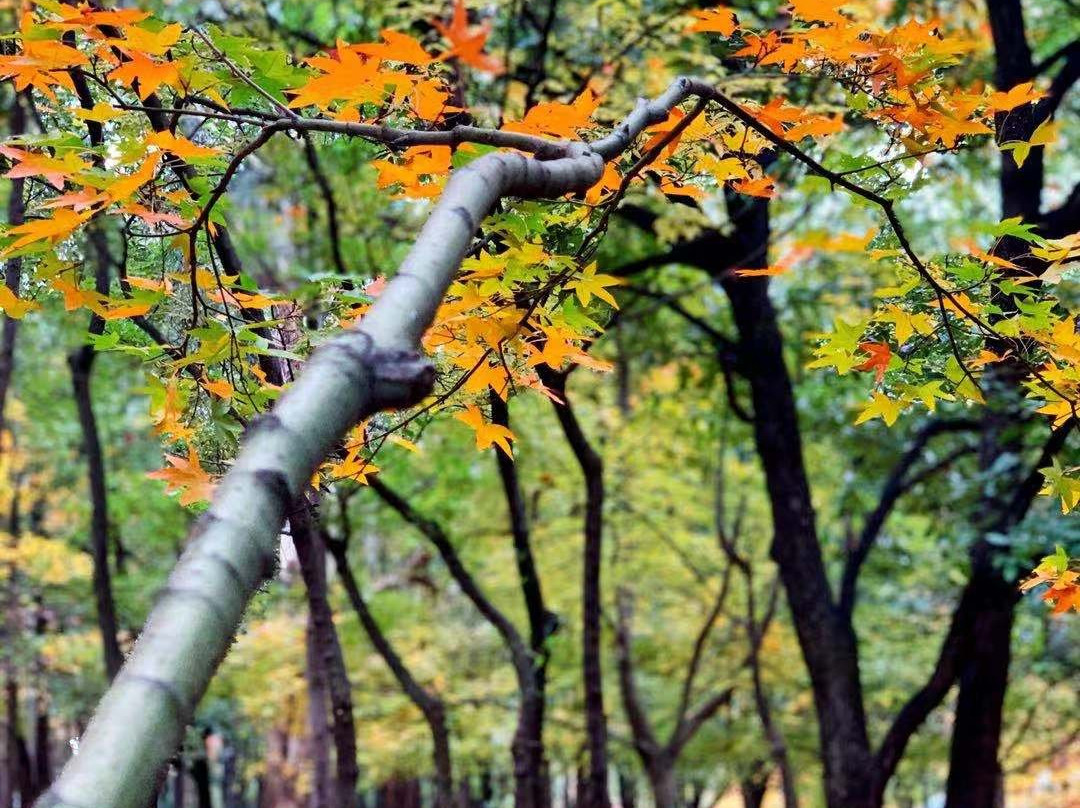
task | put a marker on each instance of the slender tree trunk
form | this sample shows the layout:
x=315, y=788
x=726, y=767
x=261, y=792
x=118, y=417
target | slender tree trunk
x=753, y=790
x=42, y=757
x=627, y=789
x=200, y=776
x=974, y=769
x=592, y=468
x=179, y=782
x=16, y=215
x=429, y=704
x=81, y=361
x=532, y=788
x=312, y=555
x=322, y=791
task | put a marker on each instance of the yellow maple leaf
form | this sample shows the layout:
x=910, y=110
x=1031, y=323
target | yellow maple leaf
x=15, y=307
x=487, y=434
x=880, y=406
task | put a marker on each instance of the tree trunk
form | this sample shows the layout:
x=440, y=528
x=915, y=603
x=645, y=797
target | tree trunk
x=429, y=704
x=664, y=784
x=592, y=469
x=16, y=215
x=179, y=782
x=826, y=638
x=974, y=769
x=753, y=791
x=627, y=789
x=200, y=775
x=322, y=792
x=311, y=553
x=532, y=788
x=81, y=362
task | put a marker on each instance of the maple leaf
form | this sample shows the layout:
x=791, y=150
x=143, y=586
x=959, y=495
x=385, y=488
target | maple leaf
x=346, y=76
x=589, y=284
x=776, y=269
x=880, y=355
x=219, y=387
x=558, y=120
x=62, y=224
x=180, y=146
x=487, y=434
x=718, y=20
x=880, y=406
x=1059, y=483
x=147, y=43
x=905, y=323
x=396, y=47
x=760, y=187
x=55, y=170
x=187, y=476
x=99, y=113
x=15, y=307
x=146, y=75
x=1044, y=135
x=819, y=11
x=1024, y=93
x=467, y=45
x=109, y=309
x=42, y=64
x=722, y=169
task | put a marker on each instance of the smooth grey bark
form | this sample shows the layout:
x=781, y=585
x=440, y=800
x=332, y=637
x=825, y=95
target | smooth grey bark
x=374, y=366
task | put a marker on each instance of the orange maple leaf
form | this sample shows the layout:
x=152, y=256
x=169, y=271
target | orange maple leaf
x=187, y=476
x=467, y=44
x=396, y=47
x=1024, y=93
x=60, y=226
x=43, y=63
x=719, y=20
x=146, y=75
x=55, y=170
x=880, y=355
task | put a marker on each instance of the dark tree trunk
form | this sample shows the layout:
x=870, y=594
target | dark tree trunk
x=592, y=469
x=429, y=704
x=627, y=789
x=663, y=783
x=974, y=769
x=179, y=783
x=532, y=788
x=753, y=791
x=81, y=362
x=312, y=555
x=200, y=775
x=826, y=637
x=322, y=791
x=975, y=777
x=16, y=215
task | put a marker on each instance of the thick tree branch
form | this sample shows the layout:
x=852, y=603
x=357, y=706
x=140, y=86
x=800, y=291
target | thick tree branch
x=375, y=366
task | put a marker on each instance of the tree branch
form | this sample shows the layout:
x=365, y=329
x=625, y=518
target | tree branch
x=896, y=485
x=375, y=366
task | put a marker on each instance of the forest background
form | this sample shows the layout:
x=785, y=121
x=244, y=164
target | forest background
x=749, y=409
